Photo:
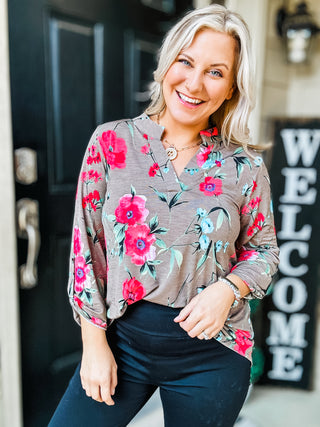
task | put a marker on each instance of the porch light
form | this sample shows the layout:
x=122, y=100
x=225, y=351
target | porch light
x=298, y=30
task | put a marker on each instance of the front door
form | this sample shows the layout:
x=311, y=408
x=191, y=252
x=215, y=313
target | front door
x=74, y=64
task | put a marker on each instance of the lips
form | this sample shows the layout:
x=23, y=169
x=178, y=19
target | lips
x=186, y=99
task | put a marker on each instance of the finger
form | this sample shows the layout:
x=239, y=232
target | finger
x=106, y=395
x=114, y=381
x=95, y=393
x=185, y=312
x=198, y=329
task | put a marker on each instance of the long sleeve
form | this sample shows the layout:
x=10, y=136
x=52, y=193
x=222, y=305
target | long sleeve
x=257, y=253
x=88, y=264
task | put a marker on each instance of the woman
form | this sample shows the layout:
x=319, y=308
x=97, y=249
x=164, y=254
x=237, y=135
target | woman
x=173, y=234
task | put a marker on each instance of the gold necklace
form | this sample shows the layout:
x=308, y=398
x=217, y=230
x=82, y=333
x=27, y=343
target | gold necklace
x=172, y=151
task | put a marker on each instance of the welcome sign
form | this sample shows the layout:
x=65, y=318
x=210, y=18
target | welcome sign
x=290, y=312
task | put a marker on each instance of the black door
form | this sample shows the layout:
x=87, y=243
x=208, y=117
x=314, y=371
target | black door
x=74, y=64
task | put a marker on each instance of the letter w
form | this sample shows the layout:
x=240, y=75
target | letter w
x=301, y=142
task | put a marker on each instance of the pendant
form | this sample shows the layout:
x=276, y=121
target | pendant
x=171, y=153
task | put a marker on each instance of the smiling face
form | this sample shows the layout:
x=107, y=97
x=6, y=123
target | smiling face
x=199, y=80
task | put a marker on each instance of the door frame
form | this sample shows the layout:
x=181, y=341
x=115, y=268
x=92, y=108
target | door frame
x=10, y=374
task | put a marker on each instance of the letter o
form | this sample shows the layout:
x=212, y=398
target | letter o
x=280, y=294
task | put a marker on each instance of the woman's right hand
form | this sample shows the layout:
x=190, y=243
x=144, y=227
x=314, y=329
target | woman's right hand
x=98, y=367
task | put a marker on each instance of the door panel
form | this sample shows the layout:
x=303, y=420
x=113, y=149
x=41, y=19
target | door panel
x=75, y=74
x=72, y=67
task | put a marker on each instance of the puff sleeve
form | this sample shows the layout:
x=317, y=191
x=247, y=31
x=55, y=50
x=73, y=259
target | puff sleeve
x=88, y=264
x=257, y=253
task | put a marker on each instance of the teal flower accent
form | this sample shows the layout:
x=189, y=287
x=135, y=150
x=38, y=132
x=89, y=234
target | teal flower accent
x=204, y=242
x=201, y=212
x=218, y=245
x=207, y=225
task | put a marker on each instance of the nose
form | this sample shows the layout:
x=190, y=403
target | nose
x=194, y=82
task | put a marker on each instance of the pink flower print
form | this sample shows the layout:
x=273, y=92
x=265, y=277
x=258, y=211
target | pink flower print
x=145, y=136
x=81, y=269
x=202, y=157
x=138, y=243
x=132, y=290
x=254, y=186
x=153, y=169
x=131, y=210
x=254, y=203
x=93, y=199
x=257, y=224
x=94, y=155
x=83, y=176
x=114, y=149
x=210, y=132
x=245, y=210
x=94, y=176
x=243, y=341
x=98, y=322
x=78, y=301
x=211, y=186
x=145, y=149
x=77, y=244
x=244, y=255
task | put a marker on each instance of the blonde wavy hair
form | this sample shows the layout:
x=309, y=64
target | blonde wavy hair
x=232, y=116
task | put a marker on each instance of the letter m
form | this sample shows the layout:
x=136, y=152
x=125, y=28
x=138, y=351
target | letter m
x=291, y=332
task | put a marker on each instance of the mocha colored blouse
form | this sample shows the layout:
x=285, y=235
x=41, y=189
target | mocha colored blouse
x=142, y=232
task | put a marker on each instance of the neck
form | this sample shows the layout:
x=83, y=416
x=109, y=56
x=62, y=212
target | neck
x=178, y=134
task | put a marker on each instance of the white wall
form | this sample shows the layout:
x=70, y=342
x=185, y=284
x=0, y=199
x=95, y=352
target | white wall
x=10, y=390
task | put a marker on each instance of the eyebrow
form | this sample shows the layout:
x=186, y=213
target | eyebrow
x=219, y=64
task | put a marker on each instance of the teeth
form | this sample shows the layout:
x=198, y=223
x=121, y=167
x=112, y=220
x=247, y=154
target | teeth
x=191, y=100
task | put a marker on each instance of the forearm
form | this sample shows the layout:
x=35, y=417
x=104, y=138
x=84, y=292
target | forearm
x=91, y=334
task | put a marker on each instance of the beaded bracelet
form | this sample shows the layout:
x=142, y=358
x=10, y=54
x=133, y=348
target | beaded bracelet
x=234, y=289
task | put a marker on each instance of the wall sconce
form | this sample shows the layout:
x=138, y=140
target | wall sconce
x=297, y=30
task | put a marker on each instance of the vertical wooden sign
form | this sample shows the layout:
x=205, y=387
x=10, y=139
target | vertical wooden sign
x=289, y=314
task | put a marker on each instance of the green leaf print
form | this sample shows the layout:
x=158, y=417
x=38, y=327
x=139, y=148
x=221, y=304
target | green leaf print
x=178, y=256
x=161, y=244
x=238, y=151
x=204, y=256
x=162, y=196
x=240, y=161
x=130, y=128
x=133, y=191
x=153, y=223
x=87, y=257
x=220, y=220
x=119, y=230
x=175, y=256
x=160, y=230
x=174, y=199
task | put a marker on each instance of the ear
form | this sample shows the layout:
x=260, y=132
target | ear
x=230, y=93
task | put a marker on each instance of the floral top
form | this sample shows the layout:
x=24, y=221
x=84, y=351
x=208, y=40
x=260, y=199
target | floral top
x=142, y=232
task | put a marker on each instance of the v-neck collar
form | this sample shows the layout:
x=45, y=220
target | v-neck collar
x=192, y=172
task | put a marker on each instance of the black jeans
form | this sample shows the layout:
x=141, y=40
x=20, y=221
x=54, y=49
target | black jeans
x=202, y=383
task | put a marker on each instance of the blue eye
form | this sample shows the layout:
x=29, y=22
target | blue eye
x=215, y=73
x=184, y=61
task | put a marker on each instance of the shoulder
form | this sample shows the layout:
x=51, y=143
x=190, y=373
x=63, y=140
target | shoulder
x=123, y=126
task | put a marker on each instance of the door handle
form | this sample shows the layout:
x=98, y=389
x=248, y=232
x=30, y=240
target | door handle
x=28, y=228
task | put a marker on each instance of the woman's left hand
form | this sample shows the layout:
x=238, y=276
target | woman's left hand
x=207, y=311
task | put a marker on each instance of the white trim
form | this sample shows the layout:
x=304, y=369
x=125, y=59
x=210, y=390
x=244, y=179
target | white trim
x=10, y=381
